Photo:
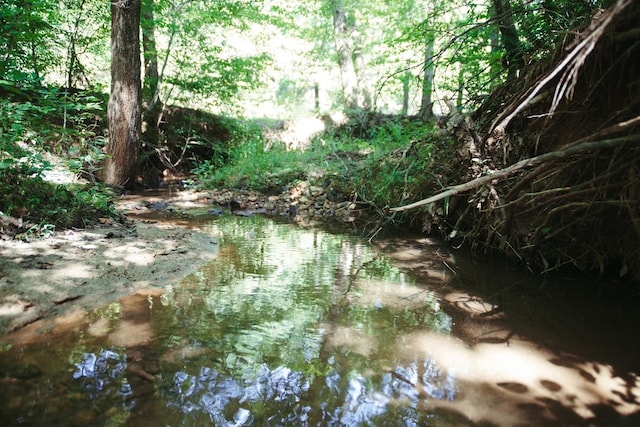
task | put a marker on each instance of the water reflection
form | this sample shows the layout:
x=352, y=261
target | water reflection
x=286, y=315
x=281, y=396
x=217, y=395
x=285, y=327
x=300, y=327
x=102, y=374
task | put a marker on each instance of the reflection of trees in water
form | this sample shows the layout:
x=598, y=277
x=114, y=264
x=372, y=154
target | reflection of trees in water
x=281, y=396
x=293, y=308
x=276, y=393
x=104, y=374
x=284, y=397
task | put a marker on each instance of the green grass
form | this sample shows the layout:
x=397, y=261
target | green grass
x=385, y=165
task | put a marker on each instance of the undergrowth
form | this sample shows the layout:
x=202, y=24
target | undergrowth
x=394, y=161
x=36, y=120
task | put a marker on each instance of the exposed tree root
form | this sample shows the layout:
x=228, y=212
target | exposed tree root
x=503, y=173
x=554, y=176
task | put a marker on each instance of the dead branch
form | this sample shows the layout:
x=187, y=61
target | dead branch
x=533, y=161
x=569, y=67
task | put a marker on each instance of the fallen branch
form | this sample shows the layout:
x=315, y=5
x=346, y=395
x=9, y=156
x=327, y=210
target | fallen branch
x=533, y=161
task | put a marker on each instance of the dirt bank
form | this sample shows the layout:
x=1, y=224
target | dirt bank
x=83, y=269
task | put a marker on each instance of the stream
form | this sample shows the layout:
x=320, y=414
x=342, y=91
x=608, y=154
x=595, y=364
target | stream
x=305, y=326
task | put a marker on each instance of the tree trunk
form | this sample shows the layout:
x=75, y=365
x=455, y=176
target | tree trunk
x=406, y=80
x=151, y=102
x=124, y=103
x=513, y=59
x=363, y=96
x=344, y=47
x=426, y=104
x=150, y=89
x=72, y=55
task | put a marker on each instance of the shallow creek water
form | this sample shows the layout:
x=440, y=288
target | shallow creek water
x=292, y=326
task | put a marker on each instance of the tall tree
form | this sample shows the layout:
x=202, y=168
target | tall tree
x=426, y=102
x=344, y=48
x=513, y=56
x=150, y=89
x=125, y=100
x=151, y=101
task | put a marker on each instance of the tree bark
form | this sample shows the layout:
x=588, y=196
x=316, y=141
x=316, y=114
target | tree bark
x=124, y=103
x=426, y=104
x=125, y=100
x=363, y=96
x=344, y=48
x=150, y=93
x=513, y=59
x=406, y=80
x=151, y=102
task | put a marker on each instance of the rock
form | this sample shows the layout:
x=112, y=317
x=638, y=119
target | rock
x=315, y=191
x=159, y=206
x=244, y=213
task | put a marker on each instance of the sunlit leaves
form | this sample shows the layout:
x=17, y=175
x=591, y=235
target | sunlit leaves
x=25, y=38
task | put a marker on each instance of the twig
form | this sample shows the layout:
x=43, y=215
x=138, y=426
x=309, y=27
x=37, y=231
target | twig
x=533, y=161
x=569, y=67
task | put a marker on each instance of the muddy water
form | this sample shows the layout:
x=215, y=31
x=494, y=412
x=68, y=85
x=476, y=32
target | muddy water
x=292, y=327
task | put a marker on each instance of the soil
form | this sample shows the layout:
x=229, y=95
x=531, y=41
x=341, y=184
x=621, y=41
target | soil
x=84, y=269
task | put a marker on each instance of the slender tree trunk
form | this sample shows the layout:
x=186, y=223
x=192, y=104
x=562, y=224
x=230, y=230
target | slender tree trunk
x=344, y=47
x=513, y=59
x=151, y=102
x=460, y=91
x=72, y=55
x=124, y=102
x=426, y=104
x=363, y=96
x=406, y=79
x=150, y=88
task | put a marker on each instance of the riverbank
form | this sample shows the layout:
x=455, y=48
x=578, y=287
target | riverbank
x=43, y=278
x=83, y=269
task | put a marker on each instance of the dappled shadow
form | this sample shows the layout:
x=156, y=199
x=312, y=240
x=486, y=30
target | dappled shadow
x=515, y=342
x=506, y=384
x=91, y=267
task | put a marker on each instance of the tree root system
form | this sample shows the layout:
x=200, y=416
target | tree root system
x=554, y=157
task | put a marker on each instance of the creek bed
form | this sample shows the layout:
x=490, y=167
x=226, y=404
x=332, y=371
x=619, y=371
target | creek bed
x=304, y=326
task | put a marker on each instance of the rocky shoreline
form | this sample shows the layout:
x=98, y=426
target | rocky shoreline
x=302, y=204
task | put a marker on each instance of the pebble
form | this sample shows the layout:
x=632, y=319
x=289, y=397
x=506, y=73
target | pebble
x=302, y=203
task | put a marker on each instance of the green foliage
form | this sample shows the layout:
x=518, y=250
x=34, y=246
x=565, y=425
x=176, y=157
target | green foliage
x=409, y=160
x=388, y=163
x=25, y=37
x=251, y=165
x=200, y=64
x=35, y=119
x=543, y=25
x=50, y=205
